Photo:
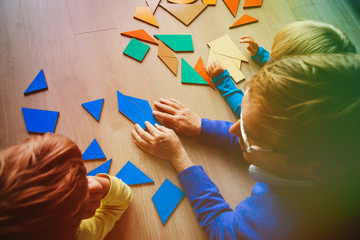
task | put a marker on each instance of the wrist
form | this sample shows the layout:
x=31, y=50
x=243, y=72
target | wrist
x=104, y=180
x=182, y=162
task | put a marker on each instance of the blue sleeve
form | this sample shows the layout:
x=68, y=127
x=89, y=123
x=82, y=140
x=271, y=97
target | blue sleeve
x=262, y=56
x=229, y=91
x=216, y=134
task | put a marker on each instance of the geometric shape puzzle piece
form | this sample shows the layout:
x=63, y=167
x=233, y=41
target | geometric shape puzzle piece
x=232, y=5
x=39, y=121
x=252, y=3
x=209, y=2
x=185, y=13
x=168, y=57
x=39, y=83
x=189, y=75
x=178, y=43
x=244, y=19
x=94, y=107
x=200, y=69
x=166, y=198
x=153, y=4
x=136, y=49
x=230, y=65
x=141, y=35
x=144, y=14
x=103, y=168
x=132, y=175
x=93, y=151
x=181, y=1
x=225, y=46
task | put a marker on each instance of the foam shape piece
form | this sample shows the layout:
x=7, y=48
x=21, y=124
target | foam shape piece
x=39, y=83
x=153, y=4
x=232, y=5
x=132, y=175
x=133, y=111
x=103, y=168
x=244, y=19
x=136, y=49
x=189, y=75
x=252, y=3
x=209, y=2
x=94, y=108
x=140, y=35
x=93, y=151
x=168, y=57
x=178, y=43
x=166, y=198
x=233, y=69
x=39, y=121
x=181, y=1
x=200, y=69
x=225, y=46
x=185, y=13
x=144, y=14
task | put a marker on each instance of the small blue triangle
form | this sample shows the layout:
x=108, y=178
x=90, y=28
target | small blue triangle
x=40, y=121
x=38, y=83
x=103, y=168
x=94, y=107
x=131, y=175
x=93, y=151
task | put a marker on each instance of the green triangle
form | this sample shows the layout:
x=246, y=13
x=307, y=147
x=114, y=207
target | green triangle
x=189, y=75
x=178, y=43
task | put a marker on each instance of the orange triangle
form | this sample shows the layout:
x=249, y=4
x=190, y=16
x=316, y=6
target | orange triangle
x=181, y=1
x=168, y=57
x=252, y=3
x=245, y=19
x=153, y=4
x=186, y=13
x=144, y=14
x=200, y=69
x=232, y=5
x=141, y=35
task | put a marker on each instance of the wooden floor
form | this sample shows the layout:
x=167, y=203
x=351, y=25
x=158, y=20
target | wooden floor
x=78, y=44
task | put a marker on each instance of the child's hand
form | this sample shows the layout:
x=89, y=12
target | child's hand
x=214, y=69
x=253, y=46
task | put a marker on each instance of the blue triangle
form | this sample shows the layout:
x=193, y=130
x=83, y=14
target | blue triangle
x=40, y=121
x=131, y=175
x=93, y=151
x=94, y=107
x=143, y=104
x=38, y=83
x=103, y=168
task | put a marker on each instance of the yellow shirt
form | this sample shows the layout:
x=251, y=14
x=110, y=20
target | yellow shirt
x=112, y=206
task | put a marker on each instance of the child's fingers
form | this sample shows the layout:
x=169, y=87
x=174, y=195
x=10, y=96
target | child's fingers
x=243, y=37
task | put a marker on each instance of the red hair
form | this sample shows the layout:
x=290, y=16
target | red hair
x=43, y=188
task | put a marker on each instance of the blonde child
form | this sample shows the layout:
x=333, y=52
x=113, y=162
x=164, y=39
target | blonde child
x=45, y=193
x=297, y=38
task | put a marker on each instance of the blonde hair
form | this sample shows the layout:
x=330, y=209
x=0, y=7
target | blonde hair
x=308, y=37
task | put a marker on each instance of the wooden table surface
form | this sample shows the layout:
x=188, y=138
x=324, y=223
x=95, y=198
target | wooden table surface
x=78, y=45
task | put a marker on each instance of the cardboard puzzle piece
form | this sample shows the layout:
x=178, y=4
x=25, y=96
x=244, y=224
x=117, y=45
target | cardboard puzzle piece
x=232, y=5
x=178, y=43
x=244, y=19
x=132, y=175
x=168, y=57
x=152, y=4
x=134, y=112
x=94, y=108
x=225, y=46
x=252, y=3
x=39, y=83
x=93, y=151
x=140, y=35
x=185, y=13
x=39, y=121
x=103, y=168
x=209, y=2
x=200, y=69
x=181, y=1
x=233, y=69
x=145, y=14
x=189, y=75
x=136, y=49
x=166, y=198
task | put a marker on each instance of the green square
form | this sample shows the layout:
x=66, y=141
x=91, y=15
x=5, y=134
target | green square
x=136, y=49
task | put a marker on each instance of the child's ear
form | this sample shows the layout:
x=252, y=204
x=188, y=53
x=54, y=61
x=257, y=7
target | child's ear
x=321, y=173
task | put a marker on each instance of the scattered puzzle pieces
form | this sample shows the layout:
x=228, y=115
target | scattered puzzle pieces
x=93, y=151
x=132, y=175
x=252, y=3
x=153, y=4
x=245, y=19
x=200, y=69
x=178, y=43
x=209, y=2
x=189, y=75
x=144, y=14
x=140, y=35
x=136, y=49
x=186, y=13
x=166, y=198
x=103, y=168
x=39, y=121
x=181, y=1
x=168, y=57
x=94, y=108
x=232, y=5
x=39, y=83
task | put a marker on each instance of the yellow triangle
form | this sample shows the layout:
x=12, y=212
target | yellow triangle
x=186, y=13
x=144, y=14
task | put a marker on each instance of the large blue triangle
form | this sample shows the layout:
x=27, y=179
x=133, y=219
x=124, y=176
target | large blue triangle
x=94, y=107
x=131, y=175
x=93, y=151
x=40, y=121
x=103, y=168
x=37, y=84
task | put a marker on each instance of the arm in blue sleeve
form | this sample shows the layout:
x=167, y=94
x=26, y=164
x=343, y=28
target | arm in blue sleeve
x=216, y=134
x=229, y=91
x=262, y=56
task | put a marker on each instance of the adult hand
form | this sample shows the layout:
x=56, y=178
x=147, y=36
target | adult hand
x=177, y=116
x=253, y=47
x=163, y=143
x=214, y=68
x=98, y=188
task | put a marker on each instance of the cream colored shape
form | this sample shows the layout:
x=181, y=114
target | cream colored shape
x=225, y=46
x=153, y=4
x=233, y=69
